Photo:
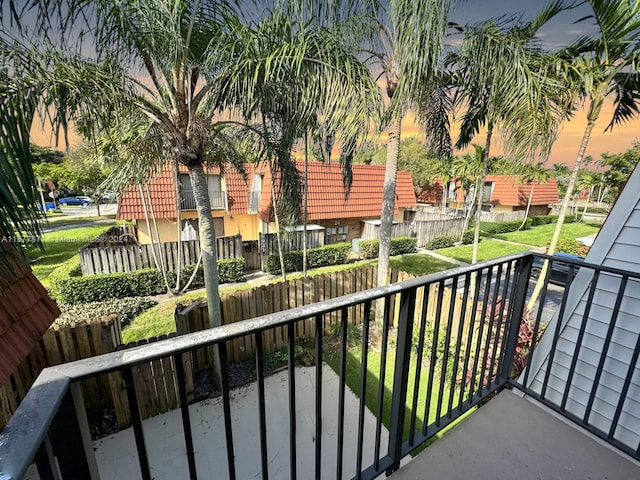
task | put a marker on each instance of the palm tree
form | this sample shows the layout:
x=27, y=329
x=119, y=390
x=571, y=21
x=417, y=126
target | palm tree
x=533, y=173
x=598, y=66
x=468, y=170
x=499, y=80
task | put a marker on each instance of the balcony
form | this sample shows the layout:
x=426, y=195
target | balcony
x=254, y=202
x=218, y=199
x=449, y=345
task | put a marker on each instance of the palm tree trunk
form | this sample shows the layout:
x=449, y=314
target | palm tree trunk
x=207, y=235
x=485, y=164
x=586, y=205
x=563, y=212
x=388, y=202
x=306, y=205
x=526, y=212
x=176, y=191
x=276, y=218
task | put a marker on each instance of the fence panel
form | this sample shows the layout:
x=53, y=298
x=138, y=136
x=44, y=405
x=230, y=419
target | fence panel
x=428, y=230
x=99, y=258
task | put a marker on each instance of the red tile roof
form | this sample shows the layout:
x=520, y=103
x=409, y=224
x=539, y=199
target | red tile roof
x=326, y=192
x=26, y=311
x=507, y=191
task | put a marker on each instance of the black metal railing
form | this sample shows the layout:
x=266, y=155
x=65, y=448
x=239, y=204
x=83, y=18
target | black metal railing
x=573, y=369
x=445, y=343
x=218, y=199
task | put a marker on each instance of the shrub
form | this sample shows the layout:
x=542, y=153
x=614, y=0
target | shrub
x=543, y=220
x=504, y=227
x=109, y=286
x=334, y=254
x=571, y=246
x=229, y=270
x=125, y=309
x=441, y=242
x=467, y=237
x=399, y=246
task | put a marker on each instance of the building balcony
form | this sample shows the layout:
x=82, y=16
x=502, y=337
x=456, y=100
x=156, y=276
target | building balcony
x=361, y=402
x=218, y=199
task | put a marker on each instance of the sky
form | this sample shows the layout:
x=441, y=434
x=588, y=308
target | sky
x=558, y=32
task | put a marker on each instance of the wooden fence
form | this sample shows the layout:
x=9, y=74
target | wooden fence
x=290, y=241
x=128, y=258
x=430, y=229
x=402, y=229
x=502, y=216
x=156, y=381
x=60, y=344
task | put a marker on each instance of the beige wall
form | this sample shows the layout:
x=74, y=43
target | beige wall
x=166, y=227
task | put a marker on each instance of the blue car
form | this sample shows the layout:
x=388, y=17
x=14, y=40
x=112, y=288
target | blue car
x=84, y=201
x=559, y=269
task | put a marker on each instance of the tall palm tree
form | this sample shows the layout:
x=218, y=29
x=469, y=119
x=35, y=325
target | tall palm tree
x=500, y=82
x=598, y=66
x=180, y=63
x=469, y=171
x=404, y=44
x=533, y=173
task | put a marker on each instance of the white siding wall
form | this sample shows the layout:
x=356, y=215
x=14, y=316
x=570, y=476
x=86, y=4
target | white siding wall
x=618, y=246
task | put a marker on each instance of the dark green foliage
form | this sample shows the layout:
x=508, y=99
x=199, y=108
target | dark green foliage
x=467, y=238
x=399, y=246
x=135, y=284
x=126, y=309
x=504, y=227
x=68, y=269
x=543, y=220
x=333, y=254
x=106, y=287
x=441, y=242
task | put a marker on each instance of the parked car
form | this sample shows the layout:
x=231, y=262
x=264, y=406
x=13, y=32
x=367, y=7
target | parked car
x=80, y=200
x=559, y=269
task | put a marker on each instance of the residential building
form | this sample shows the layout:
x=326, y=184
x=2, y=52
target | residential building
x=502, y=193
x=243, y=205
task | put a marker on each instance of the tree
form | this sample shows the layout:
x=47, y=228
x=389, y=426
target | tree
x=595, y=67
x=499, y=80
x=469, y=171
x=620, y=167
x=532, y=174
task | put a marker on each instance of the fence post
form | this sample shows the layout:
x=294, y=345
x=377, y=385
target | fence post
x=517, y=304
x=400, y=377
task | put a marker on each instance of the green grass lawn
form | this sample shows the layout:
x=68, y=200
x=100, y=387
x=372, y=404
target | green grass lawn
x=59, y=247
x=353, y=380
x=487, y=249
x=419, y=264
x=539, y=236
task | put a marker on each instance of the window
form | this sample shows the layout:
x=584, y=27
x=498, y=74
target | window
x=451, y=191
x=336, y=234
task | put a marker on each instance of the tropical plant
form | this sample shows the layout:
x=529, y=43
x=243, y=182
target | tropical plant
x=596, y=67
x=501, y=79
x=620, y=167
x=533, y=173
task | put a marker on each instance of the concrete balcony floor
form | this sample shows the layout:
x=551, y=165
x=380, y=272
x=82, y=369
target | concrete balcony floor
x=516, y=438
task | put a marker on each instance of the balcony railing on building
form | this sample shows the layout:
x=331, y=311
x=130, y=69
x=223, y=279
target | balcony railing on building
x=218, y=199
x=447, y=343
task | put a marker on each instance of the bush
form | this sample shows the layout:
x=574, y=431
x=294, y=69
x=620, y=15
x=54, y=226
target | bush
x=140, y=283
x=567, y=245
x=504, y=227
x=399, y=246
x=543, y=220
x=109, y=286
x=441, y=242
x=125, y=309
x=334, y=254
x=229, y=270
x=467, y=237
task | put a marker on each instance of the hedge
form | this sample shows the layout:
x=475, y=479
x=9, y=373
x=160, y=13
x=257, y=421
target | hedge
x=399, y=246
x=504, y=227
x=333, y=254
x=543, y=220
x=141, y=283
x=68, y=269
x=125, y=309
x=440, y=242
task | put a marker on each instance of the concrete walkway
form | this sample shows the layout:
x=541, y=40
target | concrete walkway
x=514, y=438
